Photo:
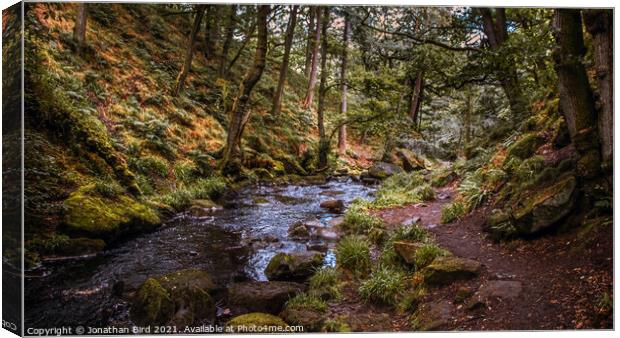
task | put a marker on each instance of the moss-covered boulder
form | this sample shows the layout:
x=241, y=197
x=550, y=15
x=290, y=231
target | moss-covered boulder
x=297, y=266
x=525, y=147
x=298, y=230
x=256, y=322
x=81, y=246
x=442, y=178
x=432, y=316
x=500, y=225
x=407, y=250
x=311, y=320
x=540, y=210
x=410, y=160
x=262, y=296
x=382, y=170
x=180, y=298
x=447, y=269
x=101, y=217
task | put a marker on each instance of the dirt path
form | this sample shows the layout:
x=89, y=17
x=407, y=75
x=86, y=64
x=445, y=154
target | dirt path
x=563, y=277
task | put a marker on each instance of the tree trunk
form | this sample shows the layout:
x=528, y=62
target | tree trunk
x=314, y=65
x=189, y=54
x=79, y=30
x=496, y=30
x=599, y=23
x=467, y=118
x=311, y=32
x=246, y=39
x=576, y=101
x=239, y=114
x=416, y=97
x=230, y=31
x=212, y=31
x=324, y=142
x=288, y=42
x=342, y=132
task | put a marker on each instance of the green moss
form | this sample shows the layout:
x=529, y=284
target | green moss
x=152, y=304
x=151, y=165
x=102, y=217
x=336, y=325
x=442, y=178
x=256, y=322
x=525, y=146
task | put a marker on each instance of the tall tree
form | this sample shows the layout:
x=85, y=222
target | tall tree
x=576, y=100
x=230, y=32
x=599, y=23
x=189, y=54
x=312, y=26
x=314, y=64
x=323, y=141
x=288, y=42
x=342, y=132
x=496, y=29
x=239, y=114
x=416, y=97
x=79, y=30
x=212, y=31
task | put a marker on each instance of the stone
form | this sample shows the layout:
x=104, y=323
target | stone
x=80, y=246
x=331, y=193
x=382, y=170
x=179, y=298
x=447, y=269
x=335, y=222
x=311, y=319
x=500, y=289
x=256, y=322
x=410, y=160
x=327, y=234
x=297, y=266
x=525, y=147
x=407, y=250
x=546, y=207
x=298, y=230
x=335, y=206
x=203, y=208
x=433, y=316
x=269, y=297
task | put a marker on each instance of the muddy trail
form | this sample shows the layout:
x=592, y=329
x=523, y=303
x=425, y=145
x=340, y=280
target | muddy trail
x=553, y=282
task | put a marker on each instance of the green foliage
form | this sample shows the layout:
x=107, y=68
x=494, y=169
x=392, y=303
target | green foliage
x=427, y=253
x=412, y=232
x=336, y=325
x=108, y=188
x=473, y=190
x=306, y=301
x=204, y=188
x=384, y=285
x=452, y=211
x=530, y=168
x=47, y=245
x=324, y=283
x=402, y=189
x=353, y=254
x=151, y=165
x=185, y=170
x=358, y=220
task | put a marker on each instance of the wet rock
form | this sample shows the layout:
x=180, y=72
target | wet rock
x=410, y=160
x=462, y=294
x=297, y=266
x=327, y=234
x=317, y=246
x=447, y=269
x=546, y=207
x=252, y=322
x=203, y=208
x=433, y=316
x=331, y=193
x=180, y=298
x=290, y=199
x=407, y=250
x=335, y=222
x=80, y=247
x=268, y=297
x=382, y=170
x=500, y=289
x=335, y=206
x=298, y=230
x=311, y=320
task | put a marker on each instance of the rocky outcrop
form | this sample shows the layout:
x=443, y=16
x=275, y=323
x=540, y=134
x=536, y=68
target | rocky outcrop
x=447, y=269
x=256, y=323
x=297, y=266
x=382, y=170
x=268, y=297
x=180, y=298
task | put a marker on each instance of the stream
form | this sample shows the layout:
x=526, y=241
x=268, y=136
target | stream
x=232, y=244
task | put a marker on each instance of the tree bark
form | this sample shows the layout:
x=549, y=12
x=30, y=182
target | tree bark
x=189, y=54
x=416, y=97
x=79, y=30
x=211, y=31
x=288, y=42
x=342, y=132
x=599, y=23
x=496, y=30
x=324, y=142
x=576, y=101
x=239, y=114
x=314, y=65
x=230, y=31
x=312, y=27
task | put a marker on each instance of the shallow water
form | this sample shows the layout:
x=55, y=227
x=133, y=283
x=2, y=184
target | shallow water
x=230, y=244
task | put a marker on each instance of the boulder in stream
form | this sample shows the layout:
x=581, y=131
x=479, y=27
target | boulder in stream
x=266, y=297
x=180, y=298
x=297, y=266
x=335, y=206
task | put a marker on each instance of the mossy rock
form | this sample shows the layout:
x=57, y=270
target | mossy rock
x=262, y=296
x=410, y=160
x=298, y=230
x=500, y=225
x=297, y=266
x=541, y=209
x=310, y=319
x=81, y=246
x=432, y=316
x=407, y=250
x=443, y=178
x=448, y=269
x=256, y=322
x=290, y=164
x=180, y=298
x=525, y=147
x=382, y=170
x=100, y=217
